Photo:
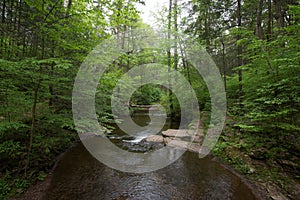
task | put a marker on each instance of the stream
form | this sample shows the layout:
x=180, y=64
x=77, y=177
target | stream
x=79, y=175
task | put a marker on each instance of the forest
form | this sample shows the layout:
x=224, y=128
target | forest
x=254, y=44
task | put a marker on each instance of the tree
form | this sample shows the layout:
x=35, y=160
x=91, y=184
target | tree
x=239, y=51
x=43, y=44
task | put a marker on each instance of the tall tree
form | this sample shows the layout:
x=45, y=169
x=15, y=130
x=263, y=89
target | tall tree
x=169, y=54
x=259, y=31
x=239, y=51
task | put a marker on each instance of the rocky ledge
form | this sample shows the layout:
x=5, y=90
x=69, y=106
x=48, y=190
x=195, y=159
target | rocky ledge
x=190, y=139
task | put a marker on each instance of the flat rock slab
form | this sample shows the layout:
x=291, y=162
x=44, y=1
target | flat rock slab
x=198, y=139
x=178, y=133
x=193, y=147
x=155, y=138
x=179, y=138
x=160, y=139
x=182, y=132
x=147, y=107
x=176, y=143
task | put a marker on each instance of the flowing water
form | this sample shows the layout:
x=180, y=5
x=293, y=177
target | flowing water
x=79, y=175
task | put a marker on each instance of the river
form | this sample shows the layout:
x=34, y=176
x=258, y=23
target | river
x=79, y=175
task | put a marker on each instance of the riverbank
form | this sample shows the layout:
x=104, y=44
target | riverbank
x=233, y=154
x=37, y=191
x=38, y=188
x=236, y=149
x=264, y=186
x=18, y=173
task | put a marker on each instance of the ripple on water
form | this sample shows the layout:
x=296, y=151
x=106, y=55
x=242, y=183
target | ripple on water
x=79, y=176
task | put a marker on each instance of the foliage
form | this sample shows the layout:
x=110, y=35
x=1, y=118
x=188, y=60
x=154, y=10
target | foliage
x=147, y=95
x=43, y=42
x=42, y=46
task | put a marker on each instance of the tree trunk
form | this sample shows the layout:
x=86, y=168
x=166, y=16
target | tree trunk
x=32, y=129
x=3, y=11
x=123, y=38
x=239, y=53
x=279, y=13
x=259, y=20
x=224, y=65
x=69, y=6
x=169, y=56
x=176, y=36
x=185, y=63
x=206, y=27
x=51, y=73
x=270, y=17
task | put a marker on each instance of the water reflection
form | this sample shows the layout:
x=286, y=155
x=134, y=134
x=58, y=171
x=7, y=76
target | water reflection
x=80, y=176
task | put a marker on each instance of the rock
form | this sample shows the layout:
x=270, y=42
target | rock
x=155, y=138
x=178, y=133
x=179, y=139
x=177, y=143
x=274, y=193
x=20, y=191
x=193, y=147
x=251, y=170
x=198, y=139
